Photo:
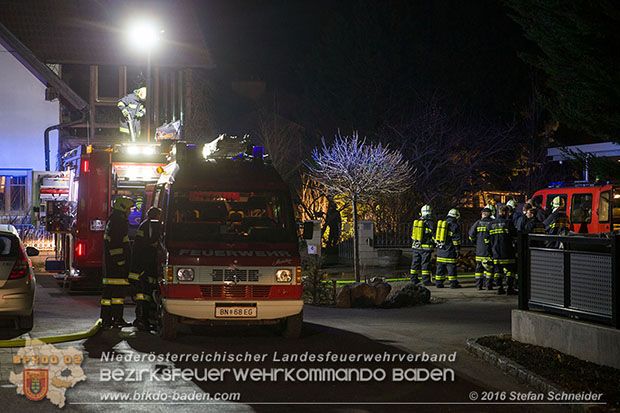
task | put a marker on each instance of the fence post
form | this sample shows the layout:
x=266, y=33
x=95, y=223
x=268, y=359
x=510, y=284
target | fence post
x=615, y=282
x=523, y=269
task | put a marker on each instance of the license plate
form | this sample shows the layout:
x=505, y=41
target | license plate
x=235, y=312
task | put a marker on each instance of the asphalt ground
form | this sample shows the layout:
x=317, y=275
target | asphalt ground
x=438, y=328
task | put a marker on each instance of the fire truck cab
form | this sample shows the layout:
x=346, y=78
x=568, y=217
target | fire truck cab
x=98, y=175
x=230, y=251
x=591, y=208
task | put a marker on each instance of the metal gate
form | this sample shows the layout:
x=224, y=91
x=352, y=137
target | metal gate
x=579, y=279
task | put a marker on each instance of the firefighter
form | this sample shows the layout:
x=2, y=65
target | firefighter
x=116, y=264
x=334, y=222
x=479, y=233
x=513, y=212
x=491, y=207
x=143, y=273
x=532, y=224
x=448, y=241
x=132, y=109
x=422, y=244
x=557, y=223
x=502, y=238
x=519, y=220
x=541, y=214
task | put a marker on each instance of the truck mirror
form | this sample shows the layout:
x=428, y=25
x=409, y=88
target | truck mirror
x=308, y=229
x=32, y=251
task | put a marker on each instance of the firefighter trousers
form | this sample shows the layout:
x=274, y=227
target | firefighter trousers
x=446, y=269
x=145, y=307
x=113, y=299
x=505, y=271
x=485, y=271
x=421, y=265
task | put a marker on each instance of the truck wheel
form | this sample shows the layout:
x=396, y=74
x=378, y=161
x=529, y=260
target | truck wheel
x=26, y=322
x=293, y=325
x=167, y=325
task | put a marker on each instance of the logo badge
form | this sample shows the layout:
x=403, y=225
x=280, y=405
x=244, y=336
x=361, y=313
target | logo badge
x=35, y=383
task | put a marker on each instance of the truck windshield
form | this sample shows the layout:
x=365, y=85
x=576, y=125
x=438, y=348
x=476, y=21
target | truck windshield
x=211, y=216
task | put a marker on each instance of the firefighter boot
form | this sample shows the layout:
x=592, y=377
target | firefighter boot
x=488, y=283
x=106, y=316
x=455, y=284
x=117, y=316
x=500, y=286
x=479, y=283
x=510, y=283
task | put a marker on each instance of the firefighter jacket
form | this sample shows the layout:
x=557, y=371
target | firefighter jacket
x=519, y=221
x=533, y=226
x=422, y=234
x=449, y=248
x=116, y=246
x=541, y=214
x=502, y=235
x=557, y=223
x=132, y=109
x=479, y=233
x=144, y=254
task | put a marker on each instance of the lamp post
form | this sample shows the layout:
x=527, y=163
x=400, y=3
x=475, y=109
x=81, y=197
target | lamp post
x=144, y=36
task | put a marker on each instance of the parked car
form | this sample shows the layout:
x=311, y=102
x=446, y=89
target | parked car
x=17, y=281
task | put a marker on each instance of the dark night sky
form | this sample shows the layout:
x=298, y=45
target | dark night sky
x=466, y=51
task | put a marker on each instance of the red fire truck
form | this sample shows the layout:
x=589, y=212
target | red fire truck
x=230, y=253
x=591, y=208
x=97, y=177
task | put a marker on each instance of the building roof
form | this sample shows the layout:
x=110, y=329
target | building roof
x=604, y=149
x=40, y=70
x=94, y=31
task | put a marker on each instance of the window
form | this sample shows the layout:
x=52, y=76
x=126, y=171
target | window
x=603, y=207
x=550, y=198
x=615, y=205
x=581, y=209
x=3, y=192
x=13, y=194
x=537, y=200
x=209, y=216
x=78, y=78
x=8, y=246
x=18, y=193
x=108, y=83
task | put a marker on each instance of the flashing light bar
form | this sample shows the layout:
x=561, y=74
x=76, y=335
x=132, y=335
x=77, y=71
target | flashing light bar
x=135, y=150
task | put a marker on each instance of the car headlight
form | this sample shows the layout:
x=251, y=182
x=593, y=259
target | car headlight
x=284, y=276
x=185, y=274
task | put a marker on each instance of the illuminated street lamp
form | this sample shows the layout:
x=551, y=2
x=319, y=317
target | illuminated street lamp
x=144, y=36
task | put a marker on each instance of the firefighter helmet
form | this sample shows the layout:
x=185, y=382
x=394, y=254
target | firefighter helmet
x=491, y=208
x=454, y=213
x=123, y=203
x=512, y=204
x=141, y=93
x=558, y=202
x=426, y=211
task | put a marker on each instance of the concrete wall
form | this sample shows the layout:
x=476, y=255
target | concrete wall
x=591, y=342
x=24, y=116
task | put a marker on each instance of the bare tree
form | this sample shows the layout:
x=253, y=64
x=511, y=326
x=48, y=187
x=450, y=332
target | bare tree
x=198, y=124
x=452, y=154
x=282, y=139
x=358, y=172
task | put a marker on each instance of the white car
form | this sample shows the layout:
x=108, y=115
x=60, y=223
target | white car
x=17, y=282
